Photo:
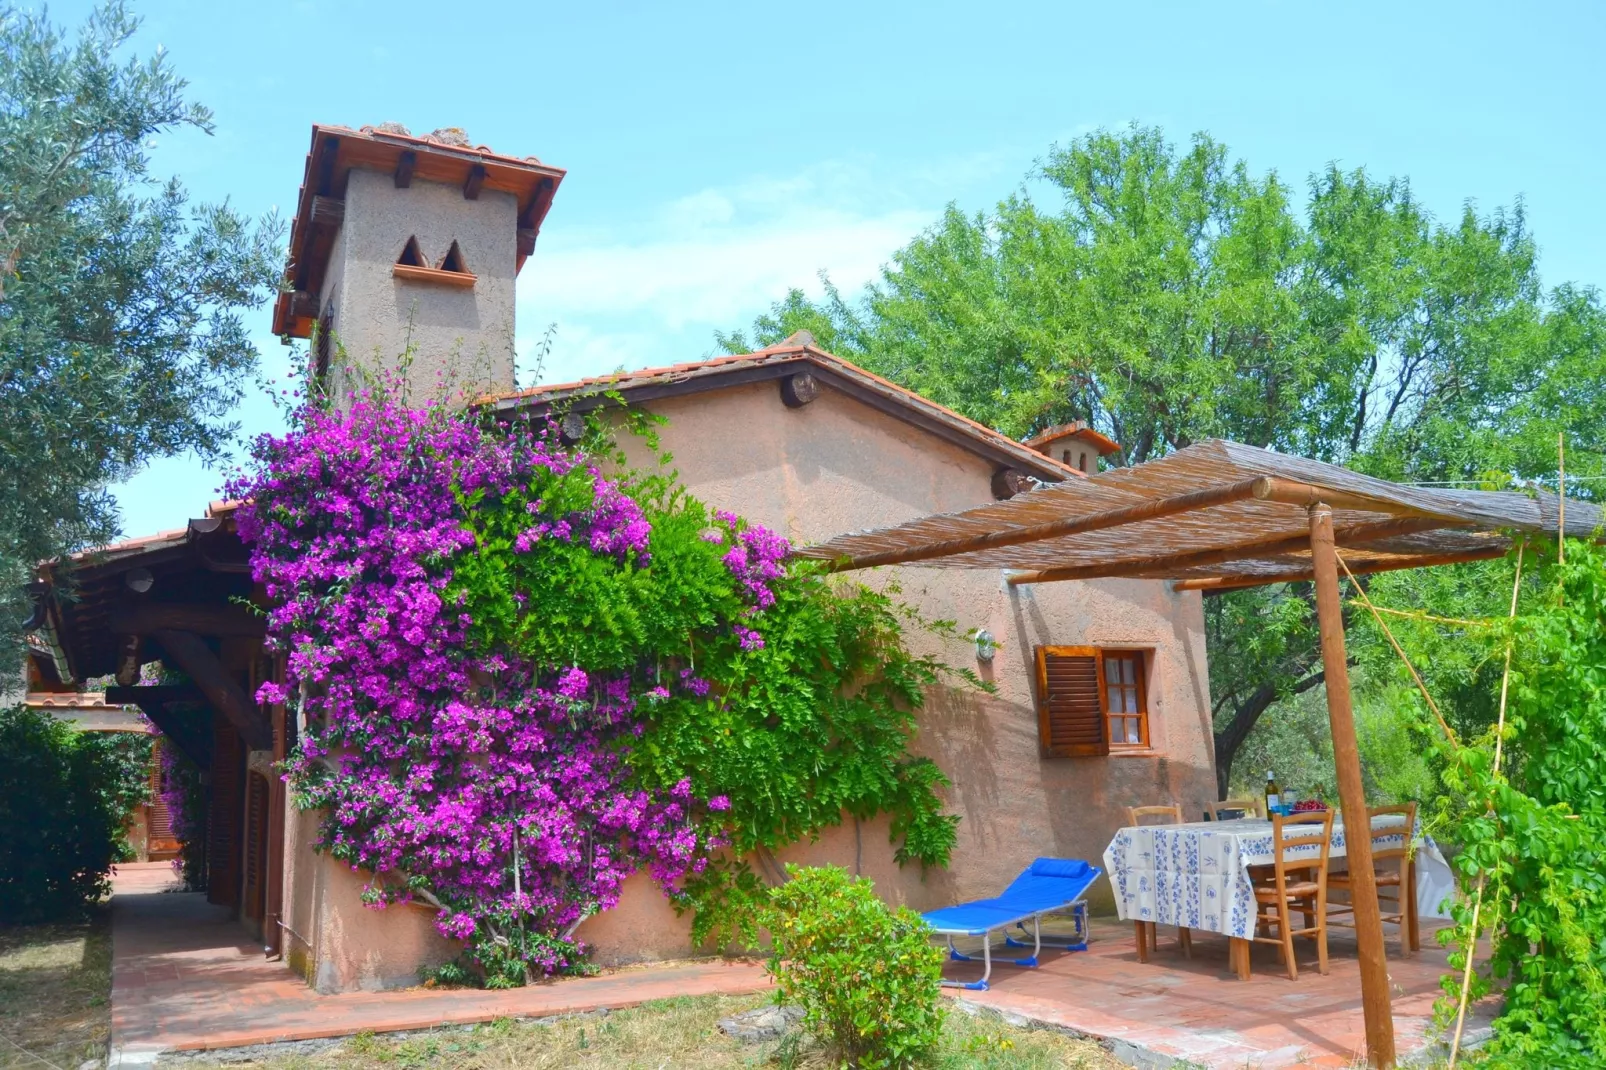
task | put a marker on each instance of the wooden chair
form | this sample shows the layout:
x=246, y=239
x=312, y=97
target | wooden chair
x=1296, y=884
x=1148, y=935
x=1232, y=807
x=1135, y=814
x=1395, y=871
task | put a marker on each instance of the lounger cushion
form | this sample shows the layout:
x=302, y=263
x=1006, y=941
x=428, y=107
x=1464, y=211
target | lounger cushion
x=974, y=918
x=1047, y=884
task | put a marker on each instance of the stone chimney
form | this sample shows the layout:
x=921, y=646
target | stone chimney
x=1075, y=444
x=411, y=245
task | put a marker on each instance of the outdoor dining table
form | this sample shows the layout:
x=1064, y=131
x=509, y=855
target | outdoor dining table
x=1196, y=875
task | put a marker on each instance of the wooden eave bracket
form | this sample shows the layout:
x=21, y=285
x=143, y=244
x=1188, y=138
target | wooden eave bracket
x=155, y=701
x=327, y=212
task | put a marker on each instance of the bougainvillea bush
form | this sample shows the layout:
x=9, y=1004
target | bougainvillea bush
x=520, y=674
x=179, y=787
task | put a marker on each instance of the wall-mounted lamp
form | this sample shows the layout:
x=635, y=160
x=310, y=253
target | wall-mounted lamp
x=139, y=580
x=986, y=645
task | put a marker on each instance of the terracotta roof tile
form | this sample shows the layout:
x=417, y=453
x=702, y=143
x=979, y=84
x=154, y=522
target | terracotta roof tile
x=1074, y=429
x=791, y=351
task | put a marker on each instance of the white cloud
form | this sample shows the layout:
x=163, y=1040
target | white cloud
x=709, y=261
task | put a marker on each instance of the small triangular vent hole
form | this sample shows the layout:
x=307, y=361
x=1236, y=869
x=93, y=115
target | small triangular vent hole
x=453, y=260
x=410, y=254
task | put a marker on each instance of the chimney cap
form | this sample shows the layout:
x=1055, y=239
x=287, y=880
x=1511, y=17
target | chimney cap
x=444, y=155
x=1078, y=430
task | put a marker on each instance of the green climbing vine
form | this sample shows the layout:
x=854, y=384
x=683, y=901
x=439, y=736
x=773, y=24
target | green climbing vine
x=1532, y=835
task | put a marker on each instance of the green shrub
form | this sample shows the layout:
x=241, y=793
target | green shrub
x=868, y=978
x=65, y=798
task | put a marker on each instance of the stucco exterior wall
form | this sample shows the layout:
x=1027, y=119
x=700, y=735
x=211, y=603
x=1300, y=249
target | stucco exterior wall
x=837, y=465
x=462, y=337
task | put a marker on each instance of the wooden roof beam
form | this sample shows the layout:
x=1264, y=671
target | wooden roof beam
x=1281, y=544
x=222, y=692
x=1214, y=584
x=1262, y=488
x=189, y=731
x=203, y=618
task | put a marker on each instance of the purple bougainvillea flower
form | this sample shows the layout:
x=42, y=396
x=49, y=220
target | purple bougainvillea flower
x=444, y=762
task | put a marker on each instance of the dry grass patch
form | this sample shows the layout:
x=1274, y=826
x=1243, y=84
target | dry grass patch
x=55, y=993
x=672, y=1034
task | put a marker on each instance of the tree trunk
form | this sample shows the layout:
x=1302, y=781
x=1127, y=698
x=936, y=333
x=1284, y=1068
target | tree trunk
x=1244, y=719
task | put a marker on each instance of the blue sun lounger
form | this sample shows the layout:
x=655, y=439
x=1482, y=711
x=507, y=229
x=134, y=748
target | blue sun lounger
x=1049, y=885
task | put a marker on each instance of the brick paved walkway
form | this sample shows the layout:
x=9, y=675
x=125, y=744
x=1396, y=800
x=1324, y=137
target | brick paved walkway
x=185, y=977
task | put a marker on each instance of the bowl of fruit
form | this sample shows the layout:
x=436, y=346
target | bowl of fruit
x=1306, y=806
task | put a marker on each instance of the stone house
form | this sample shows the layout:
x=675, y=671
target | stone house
x=402, y=240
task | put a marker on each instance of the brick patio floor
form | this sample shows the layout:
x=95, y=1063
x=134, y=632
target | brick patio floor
x=1197, y=1011
x=185, y=977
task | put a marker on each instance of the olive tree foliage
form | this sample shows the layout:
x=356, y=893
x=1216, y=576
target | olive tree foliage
x=121, y=337
x=1173, y=295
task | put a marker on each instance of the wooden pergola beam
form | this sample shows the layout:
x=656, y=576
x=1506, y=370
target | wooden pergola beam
x=1262, y=488
x=1280, y=544
x=1209, y=584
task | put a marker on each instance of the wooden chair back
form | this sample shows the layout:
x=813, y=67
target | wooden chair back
x=1386, y=854
x=1135, y=815
x=1227, y=809
x=1295, y=831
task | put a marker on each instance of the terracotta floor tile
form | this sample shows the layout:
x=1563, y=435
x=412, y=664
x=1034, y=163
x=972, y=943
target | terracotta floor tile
x=1199, y=1011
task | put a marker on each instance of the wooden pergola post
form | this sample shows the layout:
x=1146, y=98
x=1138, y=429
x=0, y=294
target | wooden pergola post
x=1351, y=793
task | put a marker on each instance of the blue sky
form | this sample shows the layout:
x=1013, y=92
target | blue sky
x=718, y=154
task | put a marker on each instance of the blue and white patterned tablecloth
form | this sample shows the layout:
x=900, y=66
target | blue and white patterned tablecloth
x=1197, y=875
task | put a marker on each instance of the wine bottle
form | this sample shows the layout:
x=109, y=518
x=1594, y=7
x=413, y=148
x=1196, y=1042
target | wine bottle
x=1273, y=794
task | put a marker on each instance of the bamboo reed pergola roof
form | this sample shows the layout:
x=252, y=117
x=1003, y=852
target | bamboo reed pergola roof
x=1213, y=516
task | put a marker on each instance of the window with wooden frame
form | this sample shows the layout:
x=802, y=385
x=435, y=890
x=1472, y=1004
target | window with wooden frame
x=1091, y=700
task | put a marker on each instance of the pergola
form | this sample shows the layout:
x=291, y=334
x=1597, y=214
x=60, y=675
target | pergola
x=1221, y=515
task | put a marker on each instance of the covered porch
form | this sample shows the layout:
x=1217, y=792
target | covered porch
x=1214, y=517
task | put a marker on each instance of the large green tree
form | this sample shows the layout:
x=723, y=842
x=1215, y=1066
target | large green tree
x=1175, y=295
x=121, y=337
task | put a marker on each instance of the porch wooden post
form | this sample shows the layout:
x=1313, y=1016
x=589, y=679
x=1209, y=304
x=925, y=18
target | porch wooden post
x=1352, y=793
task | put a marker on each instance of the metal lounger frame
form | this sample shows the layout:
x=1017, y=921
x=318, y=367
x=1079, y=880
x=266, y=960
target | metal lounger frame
x=1078, y=913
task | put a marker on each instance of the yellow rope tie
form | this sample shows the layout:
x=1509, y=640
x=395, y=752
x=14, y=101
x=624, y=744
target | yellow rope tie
x=1418, y=615
x=1367, y=602
x=1499, y=746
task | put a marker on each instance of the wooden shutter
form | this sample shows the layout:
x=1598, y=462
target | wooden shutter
x=1070, y=707
x=256, y=844
x=224, y=814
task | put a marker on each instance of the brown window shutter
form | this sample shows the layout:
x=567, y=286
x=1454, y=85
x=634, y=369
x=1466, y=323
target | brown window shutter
x=256, y=821
x=224, y=815
x=1070, y=708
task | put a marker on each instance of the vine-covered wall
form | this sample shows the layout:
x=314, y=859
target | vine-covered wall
x=519, y=680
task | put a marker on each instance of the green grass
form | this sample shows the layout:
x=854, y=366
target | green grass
x=674, y=1033
x=55, y=989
